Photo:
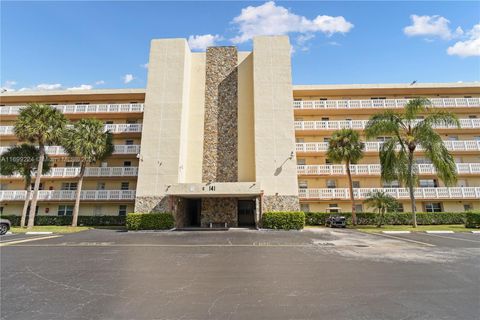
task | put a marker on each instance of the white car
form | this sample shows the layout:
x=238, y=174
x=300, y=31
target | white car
x=4, y=226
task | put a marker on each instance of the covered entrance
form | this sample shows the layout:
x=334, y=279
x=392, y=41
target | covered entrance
x=246, y=213
x=193, y=212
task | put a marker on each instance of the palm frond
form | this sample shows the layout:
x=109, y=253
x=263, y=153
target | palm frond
x=345, y=146
x=415, y=107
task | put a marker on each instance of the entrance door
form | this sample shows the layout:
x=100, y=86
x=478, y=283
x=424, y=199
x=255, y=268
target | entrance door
x=194, y=207
x=246, y=213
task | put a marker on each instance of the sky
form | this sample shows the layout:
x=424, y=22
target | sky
x=98, y=45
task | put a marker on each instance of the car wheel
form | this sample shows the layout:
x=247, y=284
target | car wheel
x=3, y=229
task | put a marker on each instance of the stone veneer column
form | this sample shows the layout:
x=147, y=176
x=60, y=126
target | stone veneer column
x=220, y=144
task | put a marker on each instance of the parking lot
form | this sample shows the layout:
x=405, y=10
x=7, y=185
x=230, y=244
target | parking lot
x=240, y=274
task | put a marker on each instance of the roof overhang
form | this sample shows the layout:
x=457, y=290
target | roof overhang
x=214, y=189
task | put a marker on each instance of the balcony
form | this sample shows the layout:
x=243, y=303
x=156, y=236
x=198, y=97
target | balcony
x=65, y=172
x=398, y=193
x=58, y=151
x=113, y=128
x=52, y=195
x=375, y=169
x=360, y=125
x=372, y=146
x=84, y=108
x=383, y=104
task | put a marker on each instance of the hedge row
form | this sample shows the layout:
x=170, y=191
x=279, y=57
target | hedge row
x=472, y=219
x=400, y=218
x=150, y=221
x=283, y=220
x=67, y=220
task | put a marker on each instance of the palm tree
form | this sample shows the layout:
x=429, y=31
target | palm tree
x=42, y=124
x=88, y=142
x=345, y=146
x=23, y=160
x=382, y=202
x=407, y=132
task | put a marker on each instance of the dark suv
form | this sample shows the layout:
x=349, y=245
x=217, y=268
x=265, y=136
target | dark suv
x=335, y=221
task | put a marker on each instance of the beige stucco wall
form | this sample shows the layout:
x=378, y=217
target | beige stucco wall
x=274, y=133
x=167, y=93
x=246, y=133
x=86, y=209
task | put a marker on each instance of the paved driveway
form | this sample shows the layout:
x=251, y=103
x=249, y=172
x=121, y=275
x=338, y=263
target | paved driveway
x=313, y=274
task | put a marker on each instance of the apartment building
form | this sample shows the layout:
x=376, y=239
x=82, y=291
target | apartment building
x=221, y=136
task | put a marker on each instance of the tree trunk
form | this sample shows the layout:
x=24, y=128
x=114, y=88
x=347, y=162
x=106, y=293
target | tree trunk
x=352, y=197
x=411, y=188
x=380, y=221
x=28, y=188
x=38, y=176
x=77, y=195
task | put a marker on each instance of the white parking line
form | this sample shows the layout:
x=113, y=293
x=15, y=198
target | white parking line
x=460, y=239
x=4, y=244
x=404, y=239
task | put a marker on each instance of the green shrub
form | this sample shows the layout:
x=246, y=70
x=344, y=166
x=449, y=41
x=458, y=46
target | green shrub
x=150, y=221
x=472, y=220
x=391, y=218
x=67, y=220
x=283, y=220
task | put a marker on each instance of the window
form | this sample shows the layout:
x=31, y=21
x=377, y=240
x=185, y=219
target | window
x=82, y=103
x=356, y=184
x=428, y=183
x=303, y=184
x=298, y=119
x=472, y=116
x=124, y=186
x=100, y=185
x=333, y=207
x=468, y=207
x=122, y=210
x=476, y=138
x=109, y=122
x=72, y=164
x=69, y=186
x=383, y=139
x=301, y=162
x=305, y=207
x=131, y=121
x=423, y=161
x=129, y=142
x=452, y=138
x=299, y=140
x=328, y=161
x=392, y=184
x=3, y=186
x=331, y=184
x=433, y=207
x=97, y=210
x=378, y=98
x=358, y=208
x=104, y=164
x=326, y=139
x=325, y=119
x=65, y=210
x=127, y=163
x=1, y=210
x=400, y=207
x=40, y=188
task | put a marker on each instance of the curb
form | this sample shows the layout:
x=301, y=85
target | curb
x=10, y=232
x=395, y=232
x=38, y=232
x=439, y=231
x=476, y=232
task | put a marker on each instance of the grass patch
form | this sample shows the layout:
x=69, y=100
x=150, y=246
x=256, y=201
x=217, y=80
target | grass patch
x=54, y=229
x=445, y=227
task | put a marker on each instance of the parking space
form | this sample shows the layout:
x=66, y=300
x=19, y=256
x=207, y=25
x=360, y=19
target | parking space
x=239, y=274
x=448, y=240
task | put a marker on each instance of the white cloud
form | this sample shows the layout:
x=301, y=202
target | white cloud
x=128, y=78
x=82, y=87
x=48, y=86
x=201, y=42
x=431, y=26
x=270, y=19
x=8, y=85
x=99, y=82
x=469, y=47
x=145, y=65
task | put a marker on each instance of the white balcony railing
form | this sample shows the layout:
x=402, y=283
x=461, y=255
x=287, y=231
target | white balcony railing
x=113, y=128
x=375, y=169
x=386, y=103
x=465, y=145
x=118, y=149
x=50, y=195
x=360, y=124
x=60, y=172
x=398, y=193
x=83, y=108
